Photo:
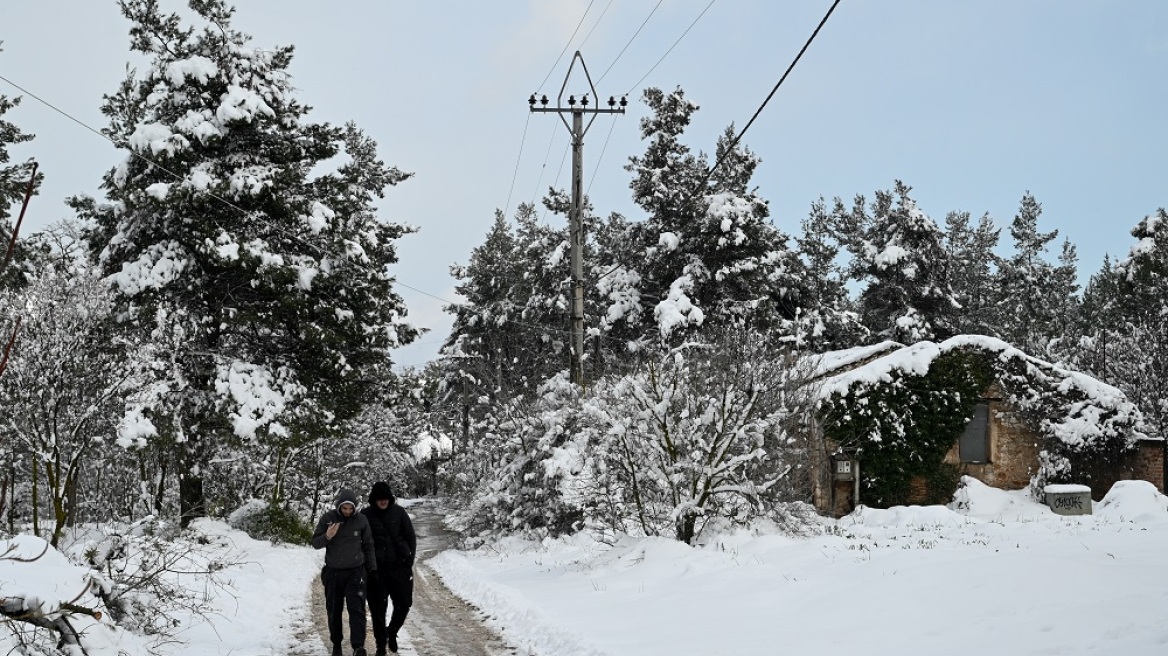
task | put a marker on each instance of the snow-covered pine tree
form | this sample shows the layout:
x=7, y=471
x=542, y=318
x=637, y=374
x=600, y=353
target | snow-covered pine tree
x=972, y=264
x=706, y=253
x=1093, y=341
x=511, y=334
x=899, y=256
x=269, y=280
x=1034, y=297
x=829, y=320
x=1142, y=282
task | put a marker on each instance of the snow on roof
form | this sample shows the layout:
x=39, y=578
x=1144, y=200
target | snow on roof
x=917, y=358
x=1083, y=420
x=833, y=361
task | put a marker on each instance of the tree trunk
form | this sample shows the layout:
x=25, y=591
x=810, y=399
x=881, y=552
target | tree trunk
x=685, y=527
x=191, y=502
x=36, y=524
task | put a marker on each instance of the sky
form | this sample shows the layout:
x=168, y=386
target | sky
x=994, y=571
x=971, y=104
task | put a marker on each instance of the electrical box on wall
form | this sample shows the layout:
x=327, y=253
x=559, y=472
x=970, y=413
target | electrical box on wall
x=844, y=469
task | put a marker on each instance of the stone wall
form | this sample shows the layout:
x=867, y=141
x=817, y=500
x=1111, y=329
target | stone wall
x=1013, y=449
x=1149, y=465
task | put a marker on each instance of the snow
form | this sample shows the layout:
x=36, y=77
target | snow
x=917, y=358
x=242, y=104
x=916, y=580
x=834, y=361
x=260, y=397
x=1066, y=488
x=158, y=190
x=321, y=217
x=259, y=612
x=906, y=581
x=197, y=67
x=134, y=428
x=156, y=138
x=155, y=268
x=677, y=309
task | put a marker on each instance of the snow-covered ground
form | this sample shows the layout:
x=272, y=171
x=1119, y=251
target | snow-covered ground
x=1007, y=576
x=1003, y=575
x=260, y=606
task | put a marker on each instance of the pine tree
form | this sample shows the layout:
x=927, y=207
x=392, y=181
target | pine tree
x=1142, y=285
x=14, y=179
x=1034, y=296
x=829, y=320
x=270, y=281
x=898, y=253
x=972, y=263
x=1092, y=341
x=509, y=335
x=707, y=250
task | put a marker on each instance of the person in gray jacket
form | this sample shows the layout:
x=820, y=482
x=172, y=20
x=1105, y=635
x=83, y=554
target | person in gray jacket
x=349, y=559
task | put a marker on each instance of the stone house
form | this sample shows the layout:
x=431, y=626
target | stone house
x=998, y=445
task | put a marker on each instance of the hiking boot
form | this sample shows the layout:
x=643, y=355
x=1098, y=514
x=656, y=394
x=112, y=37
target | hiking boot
x=392, y=639
x=380, y=652
x=336, y=650
x=359, y=651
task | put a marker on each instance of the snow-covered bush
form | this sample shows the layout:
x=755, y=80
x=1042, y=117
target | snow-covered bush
x=701, y=433
x=151, y=572
x=51, y=606
x=111, y=589
x=508, y=485
x=263, y=521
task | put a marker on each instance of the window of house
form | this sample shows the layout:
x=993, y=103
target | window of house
x=975, y=441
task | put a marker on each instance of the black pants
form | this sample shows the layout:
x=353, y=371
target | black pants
x=396, y=584
x=345, y=587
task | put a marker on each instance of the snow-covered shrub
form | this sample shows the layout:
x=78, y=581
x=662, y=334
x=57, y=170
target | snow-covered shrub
x=50, y=606
x=699, y=434
x=151, y=572
x=263, y=521
x=515, y=490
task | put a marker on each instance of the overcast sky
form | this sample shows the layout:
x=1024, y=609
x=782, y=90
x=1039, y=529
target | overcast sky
x=970, y=103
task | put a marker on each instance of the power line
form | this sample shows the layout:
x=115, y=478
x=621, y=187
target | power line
x=589, y=35
x=566, y=45
x=734, y=143
x=472, y=310
x=122, y=145
x=543, y=169
x=691, y=25
x=255, y=215
x=518, y=158
x=631, y=39
x=601, y=156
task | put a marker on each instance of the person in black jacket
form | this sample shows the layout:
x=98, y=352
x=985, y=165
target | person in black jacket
x=395, y=545
x=347, y=540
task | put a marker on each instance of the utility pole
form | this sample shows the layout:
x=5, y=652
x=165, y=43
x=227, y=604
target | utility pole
x=576, y=217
